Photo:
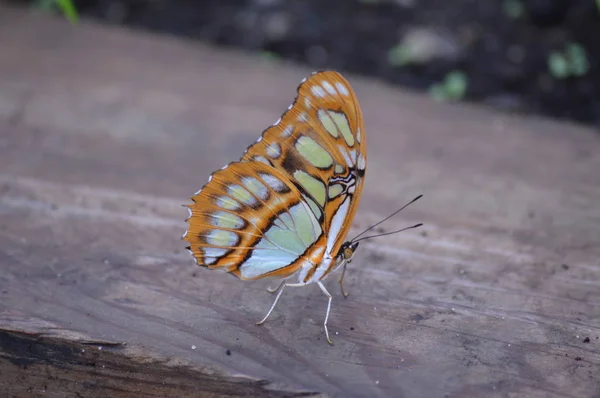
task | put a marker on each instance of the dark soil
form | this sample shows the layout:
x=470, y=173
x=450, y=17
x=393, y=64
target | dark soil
x=501, y=47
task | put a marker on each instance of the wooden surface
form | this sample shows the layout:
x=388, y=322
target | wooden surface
x=104, y=133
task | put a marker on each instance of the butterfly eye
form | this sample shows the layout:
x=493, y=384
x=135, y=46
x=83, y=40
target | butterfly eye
x=348, y=251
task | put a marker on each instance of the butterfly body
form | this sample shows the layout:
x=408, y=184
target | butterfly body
x=285, y=207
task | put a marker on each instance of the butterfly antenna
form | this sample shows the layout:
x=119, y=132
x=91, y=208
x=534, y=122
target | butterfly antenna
x=388, y=233
x=387, y=218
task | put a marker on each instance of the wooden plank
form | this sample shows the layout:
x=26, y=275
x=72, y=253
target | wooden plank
x=40, y=358
x=104, y=133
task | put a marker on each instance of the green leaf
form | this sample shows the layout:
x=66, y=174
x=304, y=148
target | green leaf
x=456, y=85
x=558, y=65
x=269, y=56
x=452, y=88
x=67, y=8
x=579, y=62
x=400, y=55
x=514, y=9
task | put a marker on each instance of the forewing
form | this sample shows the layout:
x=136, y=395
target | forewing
x=319, y=145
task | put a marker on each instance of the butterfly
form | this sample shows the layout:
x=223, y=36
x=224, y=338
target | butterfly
x=284, y=209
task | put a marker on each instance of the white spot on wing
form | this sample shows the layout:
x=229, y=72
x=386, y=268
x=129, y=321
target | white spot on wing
x=214, y=251
x=274, y=150
x=261, y=159
x=228, y=203
x=287, y=132
x=209, y=260
x=361, y=164
x=346, y=156
x=318, y=91
x=256, y=187
x=302, y=117
x=242, y=194
x=342, y=89
x=274, y=182
x=225, y=219
x=330, y=89
x=219, y=237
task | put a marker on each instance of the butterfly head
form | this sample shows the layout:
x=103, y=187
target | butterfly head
x=347, y=251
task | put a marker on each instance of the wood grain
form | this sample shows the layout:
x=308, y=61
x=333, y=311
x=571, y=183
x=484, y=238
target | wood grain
x=104, y=133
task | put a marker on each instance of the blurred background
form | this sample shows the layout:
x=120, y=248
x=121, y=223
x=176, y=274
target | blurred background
x=527, y=56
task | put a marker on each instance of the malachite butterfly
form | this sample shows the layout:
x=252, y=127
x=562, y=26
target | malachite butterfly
x=284, y=209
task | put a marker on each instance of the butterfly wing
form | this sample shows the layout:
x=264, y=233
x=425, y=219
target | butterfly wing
x=315, y=160
x=319, y=144
x=251, y=221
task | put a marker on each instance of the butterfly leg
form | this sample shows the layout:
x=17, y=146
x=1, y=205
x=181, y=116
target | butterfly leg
x=327, y=314
x=342, y=281
x=283, y=285
x=276, y=289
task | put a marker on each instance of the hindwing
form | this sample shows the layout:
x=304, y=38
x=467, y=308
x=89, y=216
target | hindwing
x=251, y=221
